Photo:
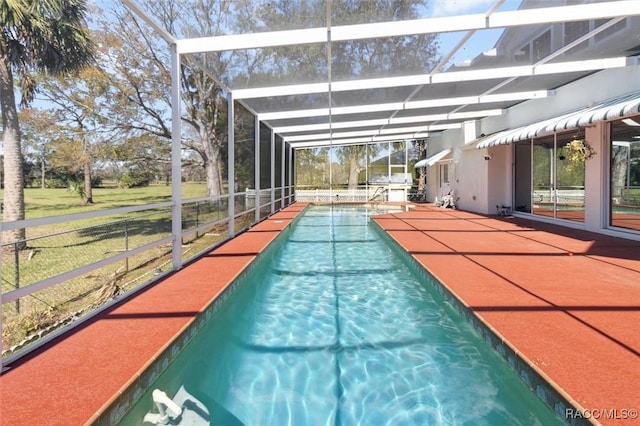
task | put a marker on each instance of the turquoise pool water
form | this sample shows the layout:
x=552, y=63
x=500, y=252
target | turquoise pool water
x=334, y=327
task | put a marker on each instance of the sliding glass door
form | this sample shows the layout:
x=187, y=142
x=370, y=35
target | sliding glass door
x=624, y=151
x=548, y=182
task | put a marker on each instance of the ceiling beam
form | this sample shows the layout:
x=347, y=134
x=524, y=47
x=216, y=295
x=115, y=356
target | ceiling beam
x=442, y=77
x=393, y=106
x=545, y=15
x=360, y=140
x=169, y=38
x=373, y=132
x=388, y=121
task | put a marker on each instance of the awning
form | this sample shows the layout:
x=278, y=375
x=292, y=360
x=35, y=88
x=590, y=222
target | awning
x=521, y=133
x=613, y=108
x=433, y=159
x=484, y=139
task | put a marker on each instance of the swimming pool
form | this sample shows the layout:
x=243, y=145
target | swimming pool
x=333, y=326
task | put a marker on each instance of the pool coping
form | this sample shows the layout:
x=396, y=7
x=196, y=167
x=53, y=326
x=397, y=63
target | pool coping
x=113, y=410
x=59, y=368
x=553, y=395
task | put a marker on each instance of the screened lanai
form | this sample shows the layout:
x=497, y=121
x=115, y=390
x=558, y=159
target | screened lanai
x=342, y=100
x=339, y=83
x=338, y=101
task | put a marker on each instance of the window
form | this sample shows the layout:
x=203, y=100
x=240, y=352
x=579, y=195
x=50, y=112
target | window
x=624, y=176
x=609, y=31
x=444, y=173
x=575, y=30
x=541, y=46
x=532, y=52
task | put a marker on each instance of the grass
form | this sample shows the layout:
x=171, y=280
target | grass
x=55, y=249
x=60, y=201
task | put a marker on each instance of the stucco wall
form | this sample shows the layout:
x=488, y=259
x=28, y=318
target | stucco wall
x=580, y=94
x=472, y=181
x=490, y=182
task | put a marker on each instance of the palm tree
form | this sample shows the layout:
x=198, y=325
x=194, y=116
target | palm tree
x=36, y=36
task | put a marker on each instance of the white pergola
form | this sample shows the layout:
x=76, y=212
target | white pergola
x=413, y=106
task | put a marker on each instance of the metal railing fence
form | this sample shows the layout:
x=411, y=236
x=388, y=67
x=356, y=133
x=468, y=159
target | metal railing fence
x=77, y=265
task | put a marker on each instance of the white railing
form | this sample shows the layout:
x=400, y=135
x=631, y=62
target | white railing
x=560, y=196
x=338, y=195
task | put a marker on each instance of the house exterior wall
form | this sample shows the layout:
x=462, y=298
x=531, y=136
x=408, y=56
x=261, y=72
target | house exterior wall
x=596, y=178
x=482, y=184
x=472, y=181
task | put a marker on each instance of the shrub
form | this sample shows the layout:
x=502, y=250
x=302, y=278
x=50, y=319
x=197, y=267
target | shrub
x=135, y=179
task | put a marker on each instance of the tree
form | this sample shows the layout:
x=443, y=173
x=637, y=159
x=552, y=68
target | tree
x=138, y=62
x=38, y=129
x=144, y=153
x=79, y=102
x=312, y=167
x=354, y=157
x=48, y=36
x=370, y=58
x=420, y=148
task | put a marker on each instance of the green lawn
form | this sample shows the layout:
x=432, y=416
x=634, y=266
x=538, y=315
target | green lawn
x=56, y=249
x=52, y=202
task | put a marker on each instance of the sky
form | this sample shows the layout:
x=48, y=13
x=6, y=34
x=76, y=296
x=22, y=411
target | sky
x=459, y=7
x=479, y=42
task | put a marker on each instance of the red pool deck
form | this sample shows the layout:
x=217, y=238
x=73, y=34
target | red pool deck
x=566, y=300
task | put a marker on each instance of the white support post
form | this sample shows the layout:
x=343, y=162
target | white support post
x=289, y=171
x=292, y=174
x=366, y=170
x=406, y=169
x=273, y=172
x=282, y=172
x=231, y=165
x=256, y=159
x=1, y=329
x=176, y=165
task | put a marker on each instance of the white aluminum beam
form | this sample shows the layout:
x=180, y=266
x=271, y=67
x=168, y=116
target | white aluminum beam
x=360, y=140
x=292, y=89
x=176, y=163
x=394, y=106
x=253, y=41
x=170, y=38
x=388, y=121
x=374, y=132
x=545, y=15
x=443, y=77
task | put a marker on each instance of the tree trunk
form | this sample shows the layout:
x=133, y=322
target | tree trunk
x=354, y=170
x=213, y=173
x=619, y=167
x=88, y=190
x=42, y=173
x=13, y=173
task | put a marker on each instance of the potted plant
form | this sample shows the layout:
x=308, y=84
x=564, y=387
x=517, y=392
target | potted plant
x=577, y=151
